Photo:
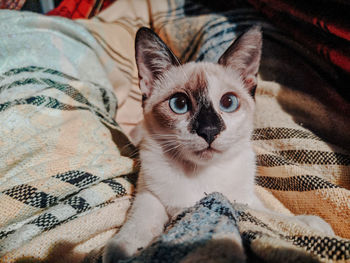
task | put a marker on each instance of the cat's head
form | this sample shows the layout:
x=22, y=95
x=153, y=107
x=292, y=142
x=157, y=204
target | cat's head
x=199, y=112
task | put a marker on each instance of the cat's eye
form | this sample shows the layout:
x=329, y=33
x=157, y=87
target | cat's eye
x=179, y=103
x=229, y=102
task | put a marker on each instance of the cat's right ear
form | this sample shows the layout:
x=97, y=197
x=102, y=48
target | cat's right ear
x=153, y=58
x=244, y=57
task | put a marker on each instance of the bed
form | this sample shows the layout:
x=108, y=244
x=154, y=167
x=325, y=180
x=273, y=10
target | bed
x=69, y=98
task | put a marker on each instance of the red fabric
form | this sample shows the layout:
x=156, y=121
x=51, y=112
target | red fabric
x=322, y=26
x=75, y=9
x=106, y=3
x=12, y=4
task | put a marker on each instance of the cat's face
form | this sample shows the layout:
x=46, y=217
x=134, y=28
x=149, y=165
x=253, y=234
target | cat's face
x=198, y=112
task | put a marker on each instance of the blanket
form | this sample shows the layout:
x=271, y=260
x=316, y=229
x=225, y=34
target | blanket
x=75, y=9
x=14, y=4
x=207, y=232
x=69, y=170
x=321, y=26
x=64, y=160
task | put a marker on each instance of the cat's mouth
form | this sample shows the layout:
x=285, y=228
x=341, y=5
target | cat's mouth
x=206, y=153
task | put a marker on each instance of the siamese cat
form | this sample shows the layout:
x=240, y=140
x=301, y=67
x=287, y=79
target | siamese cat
x=195, y=137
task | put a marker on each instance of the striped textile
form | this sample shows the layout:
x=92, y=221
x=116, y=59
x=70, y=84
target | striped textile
x=322, y=26
x=64, y=160
x=207, y=233
x=76, y=9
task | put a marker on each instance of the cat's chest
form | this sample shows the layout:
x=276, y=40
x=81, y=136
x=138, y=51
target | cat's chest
x=177, y=191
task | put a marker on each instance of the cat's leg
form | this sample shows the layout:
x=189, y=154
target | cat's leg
x=317, y=223
x=145, y=222
x=312, y=221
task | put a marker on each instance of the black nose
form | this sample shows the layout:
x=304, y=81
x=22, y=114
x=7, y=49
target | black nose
x=208, y=133
x=207, y=124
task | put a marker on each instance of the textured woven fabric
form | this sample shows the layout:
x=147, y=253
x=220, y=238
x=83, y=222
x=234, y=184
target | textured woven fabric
x=75, y=9
x=322, y=26
x=208, y=232
x=12, y=4
x=63, y=156
x=115, y=29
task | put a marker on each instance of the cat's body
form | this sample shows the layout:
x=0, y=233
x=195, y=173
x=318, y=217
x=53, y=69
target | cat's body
x=180, y=178
x=195, y=136
x=178, y=187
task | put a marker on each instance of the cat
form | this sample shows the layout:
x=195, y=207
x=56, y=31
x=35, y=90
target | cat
x=198, y=121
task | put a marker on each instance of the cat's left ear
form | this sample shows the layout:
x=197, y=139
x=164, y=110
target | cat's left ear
x=153, y=58
x=244, y=56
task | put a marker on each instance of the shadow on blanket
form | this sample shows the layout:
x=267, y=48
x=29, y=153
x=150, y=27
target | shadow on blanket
x=61, y=252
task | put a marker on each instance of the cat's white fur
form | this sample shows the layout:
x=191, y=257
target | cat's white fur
x=179, y=184
x=173, y=174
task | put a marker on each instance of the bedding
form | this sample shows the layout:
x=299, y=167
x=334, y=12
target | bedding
x=68, y=170
x=75, y=9
x=13, y=4
x=64, y=160
x=322, y=27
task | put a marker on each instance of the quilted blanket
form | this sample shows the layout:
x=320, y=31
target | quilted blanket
x=67, y=169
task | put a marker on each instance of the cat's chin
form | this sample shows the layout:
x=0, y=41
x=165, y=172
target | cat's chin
x=206, y=154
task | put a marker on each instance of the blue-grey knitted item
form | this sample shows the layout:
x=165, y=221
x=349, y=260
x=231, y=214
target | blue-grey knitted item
x=210, y=224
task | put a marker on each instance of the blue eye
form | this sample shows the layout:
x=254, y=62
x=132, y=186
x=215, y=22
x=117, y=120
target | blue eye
x=179, y=104
x=229, y=102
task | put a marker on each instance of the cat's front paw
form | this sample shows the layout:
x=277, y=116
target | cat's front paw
x=317, y=223
x=115, y=251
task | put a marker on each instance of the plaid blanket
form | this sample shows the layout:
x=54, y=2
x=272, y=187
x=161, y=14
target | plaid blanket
x=67, y=175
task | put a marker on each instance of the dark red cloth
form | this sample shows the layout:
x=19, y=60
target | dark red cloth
x=75, y=9
x=12, y=4
x=321, y=26
x=106, y=3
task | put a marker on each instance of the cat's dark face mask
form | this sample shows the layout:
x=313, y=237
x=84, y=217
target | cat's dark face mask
x=199, y=125
x=207, y=123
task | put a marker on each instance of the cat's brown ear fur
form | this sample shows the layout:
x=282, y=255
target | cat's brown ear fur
x=153, y=58
x=244, y=56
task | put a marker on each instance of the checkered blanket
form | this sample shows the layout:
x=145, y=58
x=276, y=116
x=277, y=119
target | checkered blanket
x=67, y=171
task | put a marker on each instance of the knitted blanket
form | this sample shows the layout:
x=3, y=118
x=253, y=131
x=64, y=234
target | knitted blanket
x=67, y=170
